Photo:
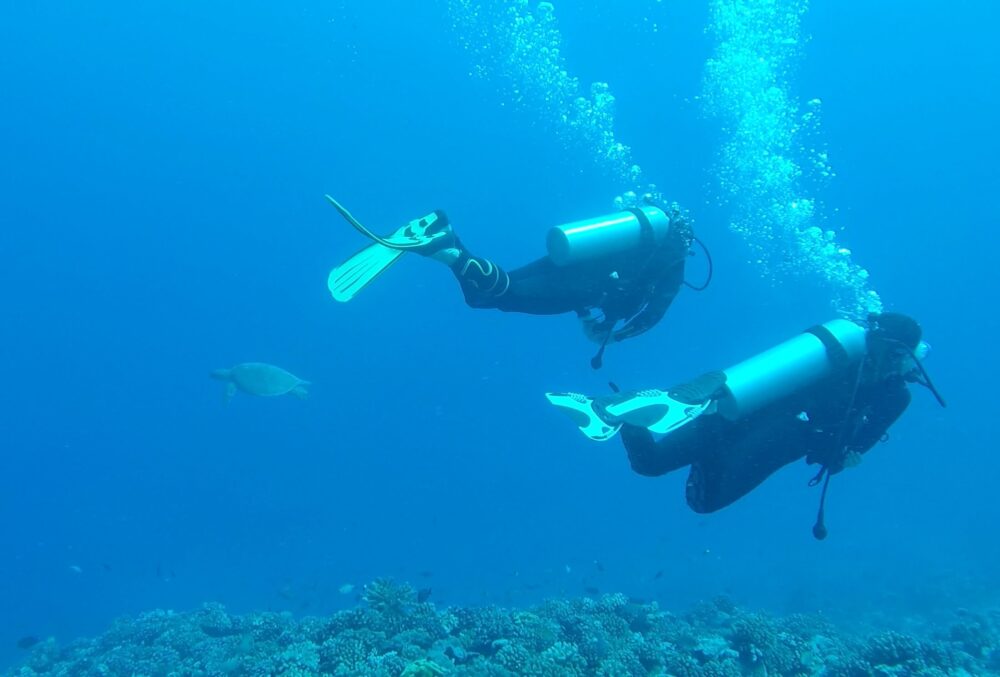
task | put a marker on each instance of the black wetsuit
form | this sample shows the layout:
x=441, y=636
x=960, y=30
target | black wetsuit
x=637, y=286
x=729, y=459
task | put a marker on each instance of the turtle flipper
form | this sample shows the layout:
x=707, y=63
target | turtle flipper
x=230, y=392
x=300, y=391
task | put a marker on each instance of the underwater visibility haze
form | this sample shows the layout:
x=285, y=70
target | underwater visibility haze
x=380, y=486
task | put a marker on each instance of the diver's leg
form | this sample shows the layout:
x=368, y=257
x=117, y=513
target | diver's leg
x=651, y=458
x=539, y=288
x=738, y=464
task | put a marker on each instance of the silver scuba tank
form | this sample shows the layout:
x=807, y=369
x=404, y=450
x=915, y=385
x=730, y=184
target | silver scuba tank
x=604, y=235
x=786, y=368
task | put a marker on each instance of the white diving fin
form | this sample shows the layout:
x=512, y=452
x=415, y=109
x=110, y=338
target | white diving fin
x=348, y=279
x=601, y=418
x=580, y=408
x=417, y=234
x=654, y=410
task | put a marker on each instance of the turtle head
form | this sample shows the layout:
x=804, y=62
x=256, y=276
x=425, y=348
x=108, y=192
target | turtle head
x=221, y=374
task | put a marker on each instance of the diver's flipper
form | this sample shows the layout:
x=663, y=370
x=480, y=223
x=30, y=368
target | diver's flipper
x=349, y=278
x=423, y=235
x=580, y=408
x=655, y=410
x=681, y=415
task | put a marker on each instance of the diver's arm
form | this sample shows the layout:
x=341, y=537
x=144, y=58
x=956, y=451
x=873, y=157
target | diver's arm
x=646, y=319
x=663, y=293
x=878, y=408
x=887, y=404
x=666, y=275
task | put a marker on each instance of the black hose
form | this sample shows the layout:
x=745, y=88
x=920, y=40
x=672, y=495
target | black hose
x=708, y=255
x=927, y=377
x=711, y=268
x=597, y=361
x=819, y=528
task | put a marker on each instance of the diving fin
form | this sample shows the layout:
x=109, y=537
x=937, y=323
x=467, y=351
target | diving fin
x=423, y=235
x=426, y=235
x=581, y=409
x=349, y=278
x=657, y=411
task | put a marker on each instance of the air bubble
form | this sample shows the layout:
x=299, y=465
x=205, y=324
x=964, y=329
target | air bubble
x=771, y=159
x=521, y=47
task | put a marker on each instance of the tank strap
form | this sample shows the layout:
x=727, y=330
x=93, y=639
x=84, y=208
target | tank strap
x=647, y=237
x=836, y=352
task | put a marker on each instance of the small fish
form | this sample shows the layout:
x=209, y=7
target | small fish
x=598, y=565
x=105, y=566
x=803, y=416
x=423, y=594
x=346, y=589
x=591, y=590
x=426, y=574
x=658, y=575
x=27, y=642
x=76, y=569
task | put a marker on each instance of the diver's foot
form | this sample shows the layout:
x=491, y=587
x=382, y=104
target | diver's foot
x=427, y=236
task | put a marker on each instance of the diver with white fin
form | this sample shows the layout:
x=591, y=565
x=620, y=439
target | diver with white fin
x=619, y=273
x=828, y=395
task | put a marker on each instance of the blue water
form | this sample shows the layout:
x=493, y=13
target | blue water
x=163, y=171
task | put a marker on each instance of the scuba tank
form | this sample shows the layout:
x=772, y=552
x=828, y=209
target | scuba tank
x=789, y=366
x=604, y=235
x=733, y=393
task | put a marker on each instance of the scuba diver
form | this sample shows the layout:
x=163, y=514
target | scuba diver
x=828, y=395
x=618, y=273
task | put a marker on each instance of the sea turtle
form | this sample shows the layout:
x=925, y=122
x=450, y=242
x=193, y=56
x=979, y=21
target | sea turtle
x=259, y=378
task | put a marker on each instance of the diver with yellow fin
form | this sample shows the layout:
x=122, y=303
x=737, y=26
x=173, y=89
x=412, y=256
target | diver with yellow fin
x=619, y=273
x=828, y=395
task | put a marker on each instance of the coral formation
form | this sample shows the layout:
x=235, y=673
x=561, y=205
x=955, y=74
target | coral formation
x=393, y=634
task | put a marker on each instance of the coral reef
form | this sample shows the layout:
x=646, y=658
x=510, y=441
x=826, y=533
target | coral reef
x=394, y=634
